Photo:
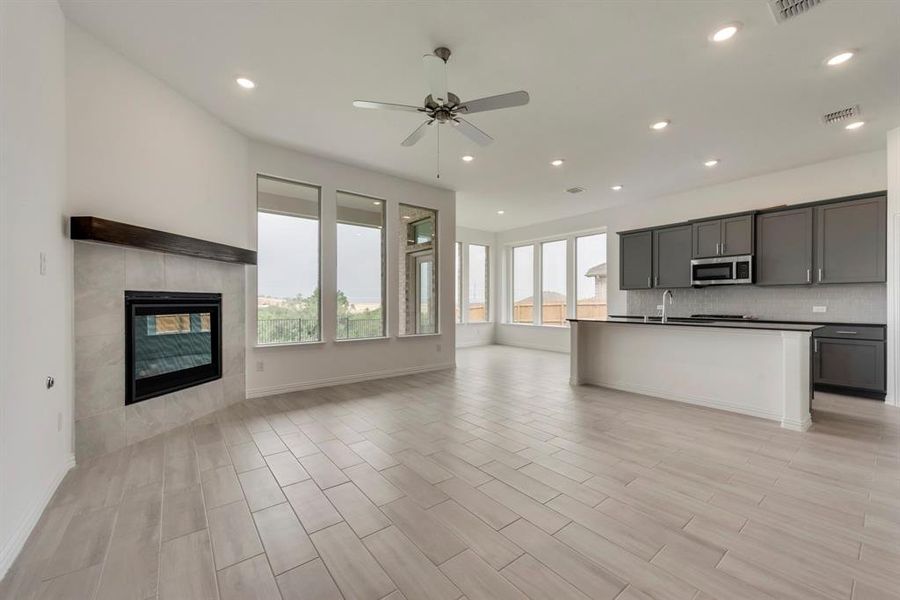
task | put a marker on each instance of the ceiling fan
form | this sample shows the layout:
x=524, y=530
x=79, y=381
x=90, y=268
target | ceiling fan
x=442, y=106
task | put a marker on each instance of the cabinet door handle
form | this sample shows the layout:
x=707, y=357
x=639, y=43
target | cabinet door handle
x=723, y=247
x=656, y=280
x=815, y=346
x=717, y=249
x=847, y=332
x=808, y=278
x=648, y=282
x=820, y=274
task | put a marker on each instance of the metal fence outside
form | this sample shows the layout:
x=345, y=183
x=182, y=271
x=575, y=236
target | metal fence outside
x=288, y=331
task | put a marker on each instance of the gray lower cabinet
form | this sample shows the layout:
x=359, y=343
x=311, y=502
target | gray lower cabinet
x=636, y=260
x=672, y=257
x=851, y=241
x=784, y=248
x=849, y=363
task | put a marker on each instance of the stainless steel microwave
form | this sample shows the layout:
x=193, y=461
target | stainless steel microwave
x=722, y=270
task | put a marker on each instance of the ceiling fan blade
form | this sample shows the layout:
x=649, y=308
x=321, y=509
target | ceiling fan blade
x=436, y=75
x=417, y=135
x=472, y=132
x=386, y=106
x=494, y=102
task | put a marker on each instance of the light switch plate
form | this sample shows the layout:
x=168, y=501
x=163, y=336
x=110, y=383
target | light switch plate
x=820, y=309
x=659, y=307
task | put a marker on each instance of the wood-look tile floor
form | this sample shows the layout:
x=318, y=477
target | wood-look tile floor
x=494, y=481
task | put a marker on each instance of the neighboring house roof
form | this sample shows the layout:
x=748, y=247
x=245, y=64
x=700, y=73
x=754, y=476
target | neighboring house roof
x=597, y=271
x=548, y=297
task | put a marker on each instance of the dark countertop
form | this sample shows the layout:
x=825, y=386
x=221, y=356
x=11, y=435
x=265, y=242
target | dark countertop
x=755, y=320
x=689, y=322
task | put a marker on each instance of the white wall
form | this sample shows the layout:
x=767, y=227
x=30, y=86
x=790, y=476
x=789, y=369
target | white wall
x=301, y=366
x=478, y=334
x=893, y=256
x=35, y=310
x=841, y=177
x=141, y=153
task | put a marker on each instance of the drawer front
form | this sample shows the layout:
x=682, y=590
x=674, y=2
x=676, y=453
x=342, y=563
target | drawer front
x=851, y=332
x=849, y=363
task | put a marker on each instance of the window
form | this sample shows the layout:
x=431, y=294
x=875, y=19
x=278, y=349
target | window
x=288, y=307
x=418, y=272
x=478, y=284
x=553, y=283
x=360, y=267
x=523, y=284
x=459, y=282
x=590, y=274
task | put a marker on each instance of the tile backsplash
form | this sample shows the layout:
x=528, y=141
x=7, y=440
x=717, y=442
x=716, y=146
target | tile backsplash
x=846, y=303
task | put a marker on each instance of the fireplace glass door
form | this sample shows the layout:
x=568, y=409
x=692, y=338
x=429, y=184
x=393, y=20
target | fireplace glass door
x=173, y=341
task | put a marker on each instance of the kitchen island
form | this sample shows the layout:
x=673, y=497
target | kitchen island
x=758, y=369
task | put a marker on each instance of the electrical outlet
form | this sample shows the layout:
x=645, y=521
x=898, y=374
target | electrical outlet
x=820, y=309
x=260, y=366
x=659, y=307
x=43, y=263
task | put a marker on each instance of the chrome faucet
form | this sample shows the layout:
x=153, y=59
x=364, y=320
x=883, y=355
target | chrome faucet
x=666, y=294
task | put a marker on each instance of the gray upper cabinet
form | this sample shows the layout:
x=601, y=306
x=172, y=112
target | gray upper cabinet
x=784, y=248
x=851, y=241
x=707, y=238
x=672, y=257
x=737, y=235
x=636, y=260
x=730, y=236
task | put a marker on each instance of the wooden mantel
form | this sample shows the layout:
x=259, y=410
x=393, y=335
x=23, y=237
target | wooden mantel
x=95, y=229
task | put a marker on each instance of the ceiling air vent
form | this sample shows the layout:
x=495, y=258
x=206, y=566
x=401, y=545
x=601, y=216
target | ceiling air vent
x=783, y=10
x=576, y=190
x=837, y=116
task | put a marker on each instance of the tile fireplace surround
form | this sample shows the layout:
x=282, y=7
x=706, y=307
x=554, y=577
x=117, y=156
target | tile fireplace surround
x=102, y=274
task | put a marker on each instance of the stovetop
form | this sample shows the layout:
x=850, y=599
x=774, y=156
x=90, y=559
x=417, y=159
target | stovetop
x=725, y=317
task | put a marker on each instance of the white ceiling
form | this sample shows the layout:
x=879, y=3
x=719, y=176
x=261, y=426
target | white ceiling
x=598, y=73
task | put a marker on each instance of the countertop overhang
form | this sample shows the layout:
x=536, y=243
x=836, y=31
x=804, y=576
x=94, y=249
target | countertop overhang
x=687, y=322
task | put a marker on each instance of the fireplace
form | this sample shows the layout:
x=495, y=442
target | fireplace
x=173, y=341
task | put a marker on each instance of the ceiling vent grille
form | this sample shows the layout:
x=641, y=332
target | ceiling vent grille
x=783, y=10
x=576, y=190
x=843, y=114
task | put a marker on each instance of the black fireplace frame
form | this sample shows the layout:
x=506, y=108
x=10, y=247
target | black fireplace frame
x=148, y=303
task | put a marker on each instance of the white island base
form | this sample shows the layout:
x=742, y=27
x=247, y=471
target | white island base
x=758, y=372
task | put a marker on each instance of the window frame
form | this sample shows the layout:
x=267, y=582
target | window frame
x=539, y=297
x=384, y=263
x=466, y=276
x=512, y=282
x=459, y=308
x=320, y=262
x=508, y=282
x=577, y=269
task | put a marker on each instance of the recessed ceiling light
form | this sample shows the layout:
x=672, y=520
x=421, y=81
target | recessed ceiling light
x=500, y=212
x=855, y=125
x=725, y=33
x=711, y=162
x=660, y=125
x=407, y=217
x=616, y=187
x=468, y=158
x=377, y=202
x=247, y=84
x=839, y=59
x=556, y=162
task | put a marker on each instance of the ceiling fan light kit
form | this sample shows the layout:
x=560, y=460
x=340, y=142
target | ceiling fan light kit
x=442, y=106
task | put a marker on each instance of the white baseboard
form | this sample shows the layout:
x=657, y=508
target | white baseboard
x=273, y=390
x=695, y=400
x=15, y=544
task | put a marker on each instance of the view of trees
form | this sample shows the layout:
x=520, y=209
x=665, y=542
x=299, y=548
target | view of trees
x=297, y=319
